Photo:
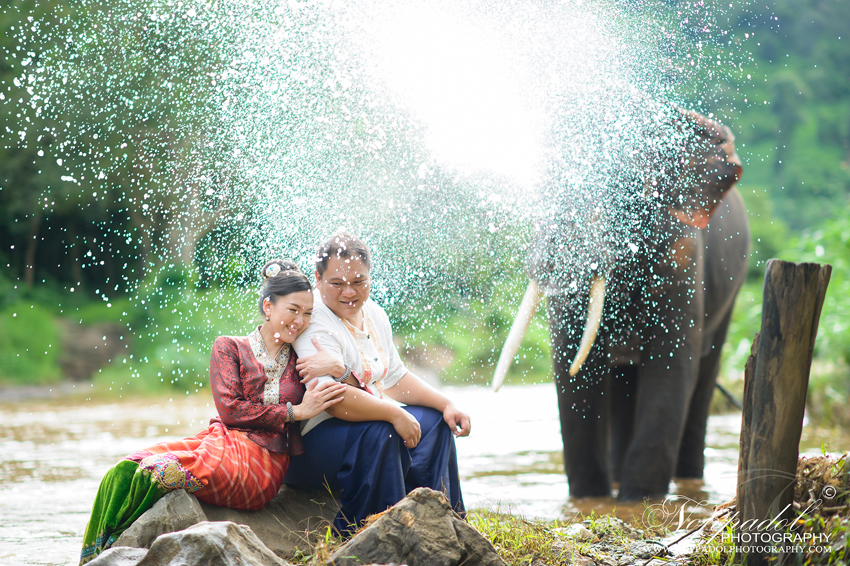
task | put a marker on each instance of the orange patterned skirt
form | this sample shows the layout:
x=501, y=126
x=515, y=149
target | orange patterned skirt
x=219, y=466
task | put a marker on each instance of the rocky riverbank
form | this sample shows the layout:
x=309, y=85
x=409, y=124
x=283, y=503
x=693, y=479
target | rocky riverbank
x=422, y=530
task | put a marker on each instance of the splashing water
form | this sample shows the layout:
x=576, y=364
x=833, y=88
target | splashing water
x=233, y=131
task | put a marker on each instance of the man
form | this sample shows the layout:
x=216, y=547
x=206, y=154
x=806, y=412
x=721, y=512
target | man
x=392, y=432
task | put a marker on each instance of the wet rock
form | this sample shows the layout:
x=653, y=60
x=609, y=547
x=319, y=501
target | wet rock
x=211, y=544
x=645, y=550
x=579, y=532
x=174, y=512
x=119, y=556
x=625, y=553
x=282, y=525
x=420, y=530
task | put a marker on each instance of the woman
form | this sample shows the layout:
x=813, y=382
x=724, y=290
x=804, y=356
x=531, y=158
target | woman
x=241, y=459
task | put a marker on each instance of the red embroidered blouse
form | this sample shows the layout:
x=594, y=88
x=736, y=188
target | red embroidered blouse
x=238, y=381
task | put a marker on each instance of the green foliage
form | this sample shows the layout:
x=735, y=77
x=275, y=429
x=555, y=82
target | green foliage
x=830, y=244
x=829, y=384
x=8, y=290
x=792, y=117
x=173, y=331
x=769, y=234
x=29, y=345
x=462, y=342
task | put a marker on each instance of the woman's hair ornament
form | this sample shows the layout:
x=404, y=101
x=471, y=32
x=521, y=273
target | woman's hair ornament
x=273, y=270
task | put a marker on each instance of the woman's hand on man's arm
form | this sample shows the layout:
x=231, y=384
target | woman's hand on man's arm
x=359, y=405
x=318, y=397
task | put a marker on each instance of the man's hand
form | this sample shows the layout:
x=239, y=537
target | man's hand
x=407, y=427
x=458, y=421
x=319, y=364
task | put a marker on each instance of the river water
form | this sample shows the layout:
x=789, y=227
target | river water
x=53, y=454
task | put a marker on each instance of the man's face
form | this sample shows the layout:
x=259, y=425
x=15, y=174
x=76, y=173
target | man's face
x=344, y=286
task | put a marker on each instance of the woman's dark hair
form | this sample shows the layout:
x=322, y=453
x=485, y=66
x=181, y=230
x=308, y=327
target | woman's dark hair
x=281, y=277
x=342, y=244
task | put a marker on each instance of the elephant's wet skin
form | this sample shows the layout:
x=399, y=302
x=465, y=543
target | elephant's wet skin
x=636, y=411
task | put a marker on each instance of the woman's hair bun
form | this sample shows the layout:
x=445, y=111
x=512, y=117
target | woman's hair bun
x=276, y=266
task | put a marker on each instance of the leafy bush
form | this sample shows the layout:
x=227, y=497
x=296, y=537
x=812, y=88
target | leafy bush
x=29, y=345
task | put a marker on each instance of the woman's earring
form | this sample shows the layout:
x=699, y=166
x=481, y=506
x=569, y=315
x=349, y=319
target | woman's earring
x=267, y=317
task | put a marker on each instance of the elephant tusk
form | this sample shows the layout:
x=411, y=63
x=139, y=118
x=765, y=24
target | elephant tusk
x=594, y=319
x=518, y=329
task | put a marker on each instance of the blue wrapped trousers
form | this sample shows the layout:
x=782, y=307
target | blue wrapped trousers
x=367, y=465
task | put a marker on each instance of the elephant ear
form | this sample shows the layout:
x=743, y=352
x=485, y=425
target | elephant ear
x=701, y=170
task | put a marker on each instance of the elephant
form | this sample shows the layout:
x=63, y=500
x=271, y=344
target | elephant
x=637, y=323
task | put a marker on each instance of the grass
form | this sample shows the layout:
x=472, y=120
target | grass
x=522, y=542
x=717, y=551
x=525, y=542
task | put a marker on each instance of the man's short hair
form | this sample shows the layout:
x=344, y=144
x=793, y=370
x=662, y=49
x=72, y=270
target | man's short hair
x=342, y=245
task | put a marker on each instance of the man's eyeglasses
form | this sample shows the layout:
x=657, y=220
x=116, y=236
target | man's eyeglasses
x=358, y=284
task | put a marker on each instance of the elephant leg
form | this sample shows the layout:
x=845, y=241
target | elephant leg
x=623, y=394
x=691, y=460
x=582, y=404
x=659, y=418
x=666, y=378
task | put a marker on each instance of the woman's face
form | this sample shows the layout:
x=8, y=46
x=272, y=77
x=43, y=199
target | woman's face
x=289, y=315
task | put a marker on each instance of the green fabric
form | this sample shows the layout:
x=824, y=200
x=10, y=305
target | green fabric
x=124, y=494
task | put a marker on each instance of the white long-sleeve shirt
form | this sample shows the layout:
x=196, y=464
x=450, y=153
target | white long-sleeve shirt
x=368, y=352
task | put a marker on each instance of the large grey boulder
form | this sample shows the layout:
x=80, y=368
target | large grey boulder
x=420, y=530
x=211, y=544
x=119, y=556
x=204, y=544
x=174, y=512
x=284, y=525
x=288, y=523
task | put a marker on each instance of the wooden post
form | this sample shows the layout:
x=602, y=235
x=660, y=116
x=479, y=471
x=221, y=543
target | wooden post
x=775, y=387
x=744, y=451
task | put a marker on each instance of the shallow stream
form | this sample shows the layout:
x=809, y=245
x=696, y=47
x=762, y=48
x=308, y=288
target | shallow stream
x=53, y=454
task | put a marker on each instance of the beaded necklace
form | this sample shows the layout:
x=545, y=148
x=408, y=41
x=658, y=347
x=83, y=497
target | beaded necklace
x=272, y=367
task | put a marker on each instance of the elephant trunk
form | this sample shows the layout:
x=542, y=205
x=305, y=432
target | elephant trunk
x=518, y=329
x=594, y=319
